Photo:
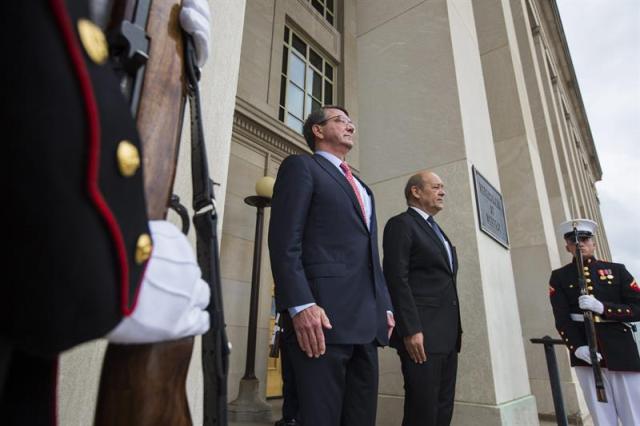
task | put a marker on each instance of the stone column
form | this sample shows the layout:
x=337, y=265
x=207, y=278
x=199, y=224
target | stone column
x=79, y=372
x=423, y=106
x=529, y=186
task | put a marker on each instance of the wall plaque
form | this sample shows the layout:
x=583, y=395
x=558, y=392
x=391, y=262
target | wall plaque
x=491, y=213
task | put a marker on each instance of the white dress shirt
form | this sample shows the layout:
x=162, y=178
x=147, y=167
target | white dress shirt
x=425, y=216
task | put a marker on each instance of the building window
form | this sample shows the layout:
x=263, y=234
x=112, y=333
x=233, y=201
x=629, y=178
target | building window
x=307, y=81
x=325, y=8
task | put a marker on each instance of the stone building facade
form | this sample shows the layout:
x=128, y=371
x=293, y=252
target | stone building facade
x=446, y=85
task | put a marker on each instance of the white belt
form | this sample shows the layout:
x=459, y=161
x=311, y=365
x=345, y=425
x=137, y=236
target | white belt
x=580, y=318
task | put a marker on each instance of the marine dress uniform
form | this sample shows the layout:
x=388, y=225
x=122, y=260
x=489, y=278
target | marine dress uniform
x=617, y=295
x=78, y=231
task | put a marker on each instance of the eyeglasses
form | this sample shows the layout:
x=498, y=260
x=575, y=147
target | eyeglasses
x=341, y=119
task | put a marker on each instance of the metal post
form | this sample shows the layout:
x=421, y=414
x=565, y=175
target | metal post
x=554, y=377
x=249, y=405
x=249, y=369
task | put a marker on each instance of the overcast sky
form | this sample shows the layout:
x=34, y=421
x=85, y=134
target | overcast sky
x=604, y=40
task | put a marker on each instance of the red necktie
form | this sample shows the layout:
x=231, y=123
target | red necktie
x=352, y=181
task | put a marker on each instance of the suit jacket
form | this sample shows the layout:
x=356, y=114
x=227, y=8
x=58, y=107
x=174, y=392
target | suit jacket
x=612, y=285
x=421, y=283
x=321, y=251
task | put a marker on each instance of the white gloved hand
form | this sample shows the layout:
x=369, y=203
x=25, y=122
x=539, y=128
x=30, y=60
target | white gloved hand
x=590, y=303
x=583, y=353
x=173, y=297
x=195, y=19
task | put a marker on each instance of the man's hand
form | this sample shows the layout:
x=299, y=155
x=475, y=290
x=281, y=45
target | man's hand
x=308, y=325
x=173, y=298
x=583, y=353
x=391, y=322
x=415, y=347
x=590, y=303
x=195, y=19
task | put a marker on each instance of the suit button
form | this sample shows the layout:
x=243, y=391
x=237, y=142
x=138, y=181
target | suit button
x=128, y=158
x=143, y=248
x=93, y=41
x=455, y=303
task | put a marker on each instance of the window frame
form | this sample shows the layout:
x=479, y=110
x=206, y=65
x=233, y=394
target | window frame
x=317, y=67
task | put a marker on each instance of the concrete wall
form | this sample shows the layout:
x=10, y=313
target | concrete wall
x=420, y=70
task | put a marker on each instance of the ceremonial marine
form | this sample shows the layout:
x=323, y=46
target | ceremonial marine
x=613, y=296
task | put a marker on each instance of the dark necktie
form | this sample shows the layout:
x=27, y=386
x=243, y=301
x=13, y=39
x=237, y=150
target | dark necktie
x=440, y=235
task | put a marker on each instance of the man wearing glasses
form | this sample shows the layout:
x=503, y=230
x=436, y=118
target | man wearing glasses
x=328, y=280
x=614, y=298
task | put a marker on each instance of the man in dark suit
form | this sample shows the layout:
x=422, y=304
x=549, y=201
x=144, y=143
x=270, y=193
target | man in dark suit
x=420, y=267
x=328, y=280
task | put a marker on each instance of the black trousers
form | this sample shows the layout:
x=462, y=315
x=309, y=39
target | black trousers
x=338, y=388
x=290, y=404
x=29, y=394
x=429, y=389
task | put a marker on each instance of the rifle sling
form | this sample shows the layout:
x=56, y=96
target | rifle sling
x=215, y=348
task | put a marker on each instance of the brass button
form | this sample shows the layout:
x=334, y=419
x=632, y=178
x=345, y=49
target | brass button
x=609, y=310
x=587, y=274
x=628, y=311
x=586, y=268
x=93, y=41
x=143, y=248
x=590, y=288
x=128, y=158
x=619, y=310
x=570, y=285
x=588, y=280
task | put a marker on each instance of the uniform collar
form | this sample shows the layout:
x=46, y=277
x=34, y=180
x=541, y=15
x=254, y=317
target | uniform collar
x=588, y=261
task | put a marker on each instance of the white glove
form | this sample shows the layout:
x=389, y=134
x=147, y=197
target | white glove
x=173, y=297
x=583, y=353
x=195, y=19
x=590, y=303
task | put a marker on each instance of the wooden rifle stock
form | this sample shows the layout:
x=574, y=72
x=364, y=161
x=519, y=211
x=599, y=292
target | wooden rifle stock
x=590, y=328
x=144, y=385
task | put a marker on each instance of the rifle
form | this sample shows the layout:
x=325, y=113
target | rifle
x=274, y=347
x=589, y=326
x=145, y=384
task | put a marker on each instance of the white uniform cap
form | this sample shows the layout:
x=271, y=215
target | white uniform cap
x=585, y=227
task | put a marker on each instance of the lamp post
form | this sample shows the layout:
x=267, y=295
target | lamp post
x=249, y=405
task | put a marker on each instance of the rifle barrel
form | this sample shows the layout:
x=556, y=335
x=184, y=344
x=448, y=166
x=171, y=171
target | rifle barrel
x=590, y=329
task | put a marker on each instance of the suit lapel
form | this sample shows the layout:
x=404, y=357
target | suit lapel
x=454, y=255
x=342, y=181
x=431, y=233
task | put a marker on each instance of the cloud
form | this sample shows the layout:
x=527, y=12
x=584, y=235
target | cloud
x=604, y=41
